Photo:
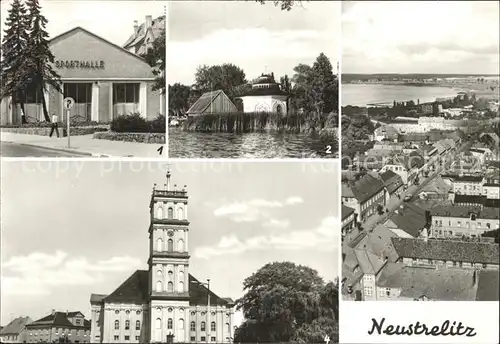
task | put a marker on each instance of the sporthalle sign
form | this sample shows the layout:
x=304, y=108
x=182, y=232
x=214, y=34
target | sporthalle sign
x=80, y=64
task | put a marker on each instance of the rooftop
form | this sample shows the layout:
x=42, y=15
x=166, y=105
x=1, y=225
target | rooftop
x=487, y=213
x=60, y=319
x=409, y=218
x=392, y=181
x=346, y=211
x=438, y=285
x=203, y=103
x=365, y=188
x=447, y=250
x=135, y=290
x=487, y=288
x=15, y=326
x=157, y=27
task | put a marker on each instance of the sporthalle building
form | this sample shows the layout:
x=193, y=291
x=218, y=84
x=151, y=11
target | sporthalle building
x=104, y=79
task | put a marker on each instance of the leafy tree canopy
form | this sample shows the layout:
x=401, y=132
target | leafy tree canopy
x=287, y=302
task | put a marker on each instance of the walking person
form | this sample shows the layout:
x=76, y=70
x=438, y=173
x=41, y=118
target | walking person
x=54, y=126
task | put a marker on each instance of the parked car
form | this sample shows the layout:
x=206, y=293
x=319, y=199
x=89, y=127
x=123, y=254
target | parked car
x=407, y=198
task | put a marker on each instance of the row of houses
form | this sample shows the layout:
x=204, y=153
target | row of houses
x=383, y=266
x=68, y=327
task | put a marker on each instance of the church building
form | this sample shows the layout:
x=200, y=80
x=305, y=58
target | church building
x=265, y=95
x=164, y=303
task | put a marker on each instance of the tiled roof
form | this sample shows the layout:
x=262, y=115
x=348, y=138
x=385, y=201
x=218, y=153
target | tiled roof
x=437, y=185
x=157, y=26
x=135, y=290
x=392, y=181
x=202, y=104
x=448, y=250
x=466, y=178
x=435, y=284
x=15, y=326
x=366, y=188
x=379, y=242
x=97, y=298
x=346, y=211
x=198, y=295
x=465, y=211
x=488, y=283
x=369, y=262
x=410, y=218
x=346, y=191
x=58, y=319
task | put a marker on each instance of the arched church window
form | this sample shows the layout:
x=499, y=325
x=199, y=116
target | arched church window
x=203, y=328
x=117, y=324
x=170, y=213
x=180, y=214
x=181, y=324
x=169, y=324
x=192, y=327
x=159, y=213
x=159, y=245
x=170, y=276
x=159, y=287
x=127, y=324
x=170, y=287
x=180, y=245
x=228, y=328
x=170, y=245
x=158, y=323
x=212, y=326
x=138, y=325
x=181, y=287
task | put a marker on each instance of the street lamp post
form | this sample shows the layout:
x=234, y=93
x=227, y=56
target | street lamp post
x=208, y=325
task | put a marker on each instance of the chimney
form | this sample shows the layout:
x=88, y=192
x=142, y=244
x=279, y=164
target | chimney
x=148, y=23
x=136, y=26
x=53, y=311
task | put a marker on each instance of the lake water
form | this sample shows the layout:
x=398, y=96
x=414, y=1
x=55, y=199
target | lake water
x=184, y=144
x=363, y=94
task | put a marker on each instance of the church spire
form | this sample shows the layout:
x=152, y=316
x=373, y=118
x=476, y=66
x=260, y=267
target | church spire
x=168, y=179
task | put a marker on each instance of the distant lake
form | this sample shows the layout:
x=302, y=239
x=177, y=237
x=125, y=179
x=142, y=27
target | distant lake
x=363, y=94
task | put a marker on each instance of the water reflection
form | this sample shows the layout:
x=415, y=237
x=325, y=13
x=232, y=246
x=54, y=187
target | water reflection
x=184, y=144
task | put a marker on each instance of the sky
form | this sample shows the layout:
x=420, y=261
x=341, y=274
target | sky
x=444, y=37
x=250, y=35
x=72, y=228
x=94, y=16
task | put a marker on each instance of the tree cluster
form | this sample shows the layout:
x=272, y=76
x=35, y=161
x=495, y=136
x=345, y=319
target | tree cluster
x=312, y=89
x=27, y=60
x=356, y=127
x=285, y=302
x=155, y=57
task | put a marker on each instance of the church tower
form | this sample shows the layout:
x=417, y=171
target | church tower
x=168, y=265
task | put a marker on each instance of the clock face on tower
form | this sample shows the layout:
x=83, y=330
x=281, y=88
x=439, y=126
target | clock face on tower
x=170, y=233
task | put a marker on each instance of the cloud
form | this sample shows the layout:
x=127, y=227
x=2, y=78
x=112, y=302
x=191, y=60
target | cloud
x=381, y=33
x=324, y=237
x=253, y=210
x=38, y=272
x=276, y=223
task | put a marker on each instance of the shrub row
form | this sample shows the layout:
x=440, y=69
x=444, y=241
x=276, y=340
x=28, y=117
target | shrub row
x=45, y=131
x=135, y=123
x=48, y=124
x=132, y=137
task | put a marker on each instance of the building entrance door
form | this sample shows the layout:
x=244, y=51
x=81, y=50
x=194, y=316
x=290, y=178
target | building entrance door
x=170, y=338
x=82, y=94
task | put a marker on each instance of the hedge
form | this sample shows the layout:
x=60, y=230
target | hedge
x=135, y=123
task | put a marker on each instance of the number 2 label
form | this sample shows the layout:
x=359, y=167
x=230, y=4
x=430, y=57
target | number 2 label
x=328, y=149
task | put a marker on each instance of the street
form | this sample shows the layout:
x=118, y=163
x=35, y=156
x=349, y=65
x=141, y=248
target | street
x=8, y=149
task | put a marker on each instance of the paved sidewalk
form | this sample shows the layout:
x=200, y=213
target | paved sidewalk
x=85, y=144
